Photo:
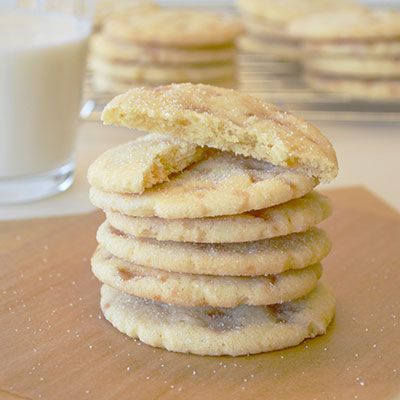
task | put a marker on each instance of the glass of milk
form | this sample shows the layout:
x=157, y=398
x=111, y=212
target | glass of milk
x=43, y=48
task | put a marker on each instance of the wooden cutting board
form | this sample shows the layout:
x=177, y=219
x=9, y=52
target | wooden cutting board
x=55, y=344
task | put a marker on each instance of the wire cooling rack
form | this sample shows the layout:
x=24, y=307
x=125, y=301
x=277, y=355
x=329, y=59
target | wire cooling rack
x=274, y=81
x=280, y=83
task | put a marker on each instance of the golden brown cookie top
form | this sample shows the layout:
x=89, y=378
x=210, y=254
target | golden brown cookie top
x=227, y=120
x=177, y=27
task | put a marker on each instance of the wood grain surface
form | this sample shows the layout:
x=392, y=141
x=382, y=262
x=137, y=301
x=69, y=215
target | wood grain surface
x=55, y=344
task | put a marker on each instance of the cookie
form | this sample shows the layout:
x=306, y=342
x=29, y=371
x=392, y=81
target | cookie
x=175, y=27
x=202, y=290
x=285, y=11
x=361, y=89
x=258, y=27
x=227, y=120
x=221, y=184
x=355, y=24
x=142, y=163
x=269, y=256
x=296, y=215
x=354, y=66
x=161, y=73
x=388, y=49
x=107, y=9
x=107, y=85
x=283, y=51
x=219, y=331
x=110, y=49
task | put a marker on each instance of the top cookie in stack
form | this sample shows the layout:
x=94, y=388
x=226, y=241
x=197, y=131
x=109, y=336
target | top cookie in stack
x=107, y=9
x=210, y=245
x=267, y=21
x=162, y=46
x=356, y=52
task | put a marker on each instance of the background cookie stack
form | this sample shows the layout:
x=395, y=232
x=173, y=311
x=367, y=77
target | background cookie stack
x=356, y=52
x=267, y=21
x=212, y=250
x=161, y=46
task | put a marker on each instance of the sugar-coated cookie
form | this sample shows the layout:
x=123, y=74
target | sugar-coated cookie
x=285, y=11
x=227, y=120
x=296, y=215
x=202, y=290
x=348, y=66
x=221, y=184
x=361, y=89
x=142, y=163
x=219, y=331
x=268, y=256
x=353, y=23
x=162, y=73
x=105, y=47
x=175, y=27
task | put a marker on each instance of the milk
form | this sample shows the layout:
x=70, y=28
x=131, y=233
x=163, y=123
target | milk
x=42, y=59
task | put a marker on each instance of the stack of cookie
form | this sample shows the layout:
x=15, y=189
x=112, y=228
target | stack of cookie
x=267, y=21
x=161, y=46
x=210, y=245
x=354, y=52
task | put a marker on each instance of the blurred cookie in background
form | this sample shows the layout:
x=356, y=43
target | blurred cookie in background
x=354, y=52
x=156, y=46
x=266, y=23
x=106, y=9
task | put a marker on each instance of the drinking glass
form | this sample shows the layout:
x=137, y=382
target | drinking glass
x=43, y=46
